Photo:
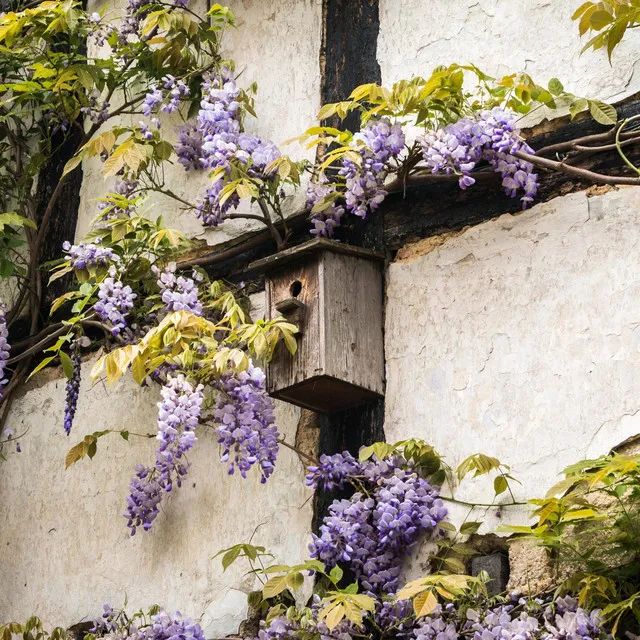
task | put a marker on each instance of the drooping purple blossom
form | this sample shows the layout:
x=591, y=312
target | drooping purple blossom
x=324, y=222
x=179, y=293
x=245, y=416
x=333, y=471
x=4, y=347
x=72, y=390
x=114, y=302
x=215, y=141
x=152, y=100
x=177, y=91
x=493, y=137
x=178, y=416
x=377, y=143
x=117, y=625
x=84, y=255
x=98, y=112
x=372, y=533
x=98, y=30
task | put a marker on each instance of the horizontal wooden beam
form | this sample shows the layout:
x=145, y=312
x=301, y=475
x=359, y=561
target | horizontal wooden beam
x=430, y=209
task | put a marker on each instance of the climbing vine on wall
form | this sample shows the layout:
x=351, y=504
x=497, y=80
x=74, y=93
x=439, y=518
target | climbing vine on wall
x=136, y=293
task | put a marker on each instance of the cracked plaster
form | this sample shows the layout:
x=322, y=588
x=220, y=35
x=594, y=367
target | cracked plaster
x=519, y=338
x=502, y=37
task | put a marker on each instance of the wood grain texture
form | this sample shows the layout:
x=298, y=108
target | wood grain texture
x=353, y=340
x=340, y=357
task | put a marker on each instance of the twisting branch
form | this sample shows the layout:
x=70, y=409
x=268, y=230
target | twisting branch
x=578, y=172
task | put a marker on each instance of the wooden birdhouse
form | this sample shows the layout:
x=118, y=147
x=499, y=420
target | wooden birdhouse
x=334, y=294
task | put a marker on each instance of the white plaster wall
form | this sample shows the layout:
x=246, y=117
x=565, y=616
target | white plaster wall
x=502, y=37
x=65, y=547
x=519, y=338
x=277, y=45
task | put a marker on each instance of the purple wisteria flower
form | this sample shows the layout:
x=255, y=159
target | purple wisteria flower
x=114, y=302
x=97, y=112
x=177, y=91
x=333, y=471
x=324, y=222
x=377, y=143
x=72, y=389
x=215, y=141
x=492, y=137
x=179, y=293
x=4, y=347
x=245, y=416
x=99, y=30
x=178, y=416
x=84, y=255
x=372, y=533
x=116, y=625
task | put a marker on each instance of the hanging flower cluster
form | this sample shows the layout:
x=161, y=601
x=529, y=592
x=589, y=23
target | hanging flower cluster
x=216, y=141
x=246, y=423
x=84, y=255
x=178, y=416
x=115, y=300
x=72, y=389
x=4, y=346
x=377, y=143
x=494, y=137
x=373, y=532
x=179, y=293
x=116, y=625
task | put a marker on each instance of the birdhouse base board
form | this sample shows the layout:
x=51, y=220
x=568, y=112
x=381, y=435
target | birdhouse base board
x=325, y=394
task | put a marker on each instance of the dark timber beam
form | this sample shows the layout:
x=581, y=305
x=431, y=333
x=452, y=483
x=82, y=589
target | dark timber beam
x=348, y=59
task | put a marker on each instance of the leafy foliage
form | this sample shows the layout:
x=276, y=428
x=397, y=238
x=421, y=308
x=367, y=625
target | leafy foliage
x=590, y=521
x=610, y=19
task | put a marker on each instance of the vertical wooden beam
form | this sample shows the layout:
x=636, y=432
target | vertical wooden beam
x=348, y=59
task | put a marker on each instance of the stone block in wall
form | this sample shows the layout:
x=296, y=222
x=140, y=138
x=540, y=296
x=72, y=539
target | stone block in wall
x=530, y=568
x=496, y=565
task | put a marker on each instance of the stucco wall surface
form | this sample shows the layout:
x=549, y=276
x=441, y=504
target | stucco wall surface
x=519, y=338
x=502, y=37
x=65, y=547
x=277, y=45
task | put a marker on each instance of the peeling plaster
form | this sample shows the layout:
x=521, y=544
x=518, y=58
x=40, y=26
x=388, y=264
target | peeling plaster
x=519, y=338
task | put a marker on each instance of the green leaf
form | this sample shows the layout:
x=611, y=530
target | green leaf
x=602, y=112
x=15, y=219
x=577, y=106
x=469, y=528
x=500, y=485
x=43, y=364
x=336, y=574
x=67, y=365
x=230, y=557
x=275, y=586
x=615, y=35
x=296, y=580
x=555, y=86
x=600, y=19
x=124, y=435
